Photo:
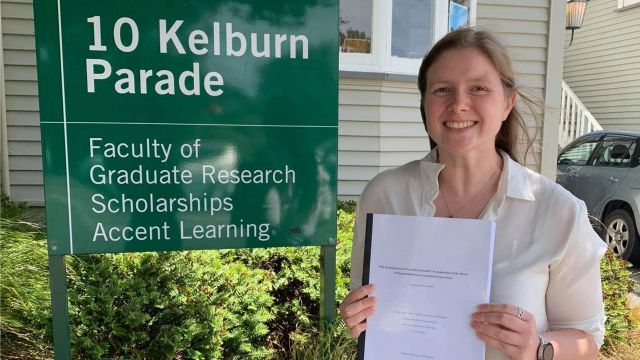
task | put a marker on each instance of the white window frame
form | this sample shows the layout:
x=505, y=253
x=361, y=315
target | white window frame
x=627, y=3
x=380, y=59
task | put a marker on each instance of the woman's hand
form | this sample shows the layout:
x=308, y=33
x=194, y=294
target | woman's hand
x=499, y=326
x=356, y=308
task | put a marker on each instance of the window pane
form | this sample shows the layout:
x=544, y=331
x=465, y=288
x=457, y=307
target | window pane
x=355, y=26
x=578, y=155
x=458, y=14
x=411, y=28
x=616, y=152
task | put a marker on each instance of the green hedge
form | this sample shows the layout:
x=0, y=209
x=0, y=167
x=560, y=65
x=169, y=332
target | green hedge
x=189, y=305
x=296, y=290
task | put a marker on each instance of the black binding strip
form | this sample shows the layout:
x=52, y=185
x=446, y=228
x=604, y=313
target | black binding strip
x=365, y=275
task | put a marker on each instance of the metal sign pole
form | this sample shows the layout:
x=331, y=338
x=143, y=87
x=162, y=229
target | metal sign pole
x=327, y=284
x=59, y=307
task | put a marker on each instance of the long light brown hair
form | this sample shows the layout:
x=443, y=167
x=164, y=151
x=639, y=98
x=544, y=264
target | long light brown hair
x=514, y=125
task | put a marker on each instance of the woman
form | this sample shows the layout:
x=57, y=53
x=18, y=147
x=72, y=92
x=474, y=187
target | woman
x=546, y=278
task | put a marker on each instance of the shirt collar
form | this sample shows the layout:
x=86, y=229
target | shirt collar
x=519, y=185
x=515, y=180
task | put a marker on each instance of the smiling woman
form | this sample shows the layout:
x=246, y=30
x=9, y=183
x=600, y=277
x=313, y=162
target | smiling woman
x=546, y=301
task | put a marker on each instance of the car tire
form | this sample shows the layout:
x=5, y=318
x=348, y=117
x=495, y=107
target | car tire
x=621, y=235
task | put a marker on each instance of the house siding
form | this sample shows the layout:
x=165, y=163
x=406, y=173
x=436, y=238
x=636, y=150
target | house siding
x=379, y=128
x=21, y=99
x=523, y=26
x=379, y=120
x=601, y=66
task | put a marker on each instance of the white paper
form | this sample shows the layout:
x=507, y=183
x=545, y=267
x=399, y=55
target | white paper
x=430, y=274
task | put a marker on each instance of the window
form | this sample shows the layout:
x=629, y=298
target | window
x=392, y=36
x=627, y=3
x=410, y=34
x=616, y=152
x=355, y=26
x=459, y=15
x=578, y=154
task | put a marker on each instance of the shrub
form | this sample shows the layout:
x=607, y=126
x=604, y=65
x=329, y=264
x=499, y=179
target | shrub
x=346, y=221
x=296, y=289
x=188, y=305
x=10, y=209
x=616, y=285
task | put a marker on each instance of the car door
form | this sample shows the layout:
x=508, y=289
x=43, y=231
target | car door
x=597, y=183
x=572, y=159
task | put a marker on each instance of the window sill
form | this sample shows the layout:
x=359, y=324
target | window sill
x=371, y=75
x=627, y=7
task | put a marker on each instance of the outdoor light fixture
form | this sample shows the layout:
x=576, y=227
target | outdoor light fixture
x=575, y=15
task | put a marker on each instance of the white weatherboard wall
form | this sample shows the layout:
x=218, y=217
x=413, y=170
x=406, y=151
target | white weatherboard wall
x=379, y=128
x=602, y=66
x=379, y=120
x=21, y=99
x=524, y=28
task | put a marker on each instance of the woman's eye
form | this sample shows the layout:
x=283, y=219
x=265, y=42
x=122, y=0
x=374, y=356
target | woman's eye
x=440, y=91
x=478, y=88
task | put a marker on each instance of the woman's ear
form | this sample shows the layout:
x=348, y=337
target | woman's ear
x=510, y=102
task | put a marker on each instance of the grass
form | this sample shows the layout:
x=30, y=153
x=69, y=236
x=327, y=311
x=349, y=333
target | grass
x=24, y=289
x=333, y=344
x=626, y=352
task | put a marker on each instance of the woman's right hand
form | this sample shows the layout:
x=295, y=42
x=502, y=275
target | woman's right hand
x=356, y=308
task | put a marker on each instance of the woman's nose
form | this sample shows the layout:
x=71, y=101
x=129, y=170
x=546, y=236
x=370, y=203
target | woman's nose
x=459, y=102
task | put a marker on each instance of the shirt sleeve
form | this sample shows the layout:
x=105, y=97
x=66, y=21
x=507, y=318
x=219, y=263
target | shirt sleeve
x=574, y=293
x=372, y=200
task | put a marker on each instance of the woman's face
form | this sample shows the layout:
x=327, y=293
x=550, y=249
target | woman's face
x=465, y=102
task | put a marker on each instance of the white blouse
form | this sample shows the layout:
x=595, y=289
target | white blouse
x=546, y=256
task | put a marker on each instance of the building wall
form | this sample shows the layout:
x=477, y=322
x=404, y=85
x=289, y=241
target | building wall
x=602, y=66
x=379, y=128
x=21, y=99
x=379, y=120
x=523, y=26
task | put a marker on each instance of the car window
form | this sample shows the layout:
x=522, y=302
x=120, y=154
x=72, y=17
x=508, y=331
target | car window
x=578, y=154
x=616, y=152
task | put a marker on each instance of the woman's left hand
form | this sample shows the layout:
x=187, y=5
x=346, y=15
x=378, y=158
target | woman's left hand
x=499, y=326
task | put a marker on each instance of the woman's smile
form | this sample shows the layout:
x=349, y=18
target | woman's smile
x=459, y=124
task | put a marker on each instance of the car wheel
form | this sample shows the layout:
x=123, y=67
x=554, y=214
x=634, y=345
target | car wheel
x=621, y=236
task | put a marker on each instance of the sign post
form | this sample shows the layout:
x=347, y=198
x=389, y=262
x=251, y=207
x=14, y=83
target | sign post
x=188, y=125
x=59, y=308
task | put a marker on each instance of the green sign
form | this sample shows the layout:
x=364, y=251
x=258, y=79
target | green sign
x=193, y=124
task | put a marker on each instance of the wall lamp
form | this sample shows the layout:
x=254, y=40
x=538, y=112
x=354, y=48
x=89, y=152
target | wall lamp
x=575, y=15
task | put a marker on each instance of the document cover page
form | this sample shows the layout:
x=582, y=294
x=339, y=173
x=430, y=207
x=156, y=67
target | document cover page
x=430, y=274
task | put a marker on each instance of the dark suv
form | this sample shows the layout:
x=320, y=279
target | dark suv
x=603, y=169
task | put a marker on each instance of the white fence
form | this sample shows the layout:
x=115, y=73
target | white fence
x=575, y=119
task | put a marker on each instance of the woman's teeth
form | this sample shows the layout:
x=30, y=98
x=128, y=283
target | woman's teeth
x=458, y=124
